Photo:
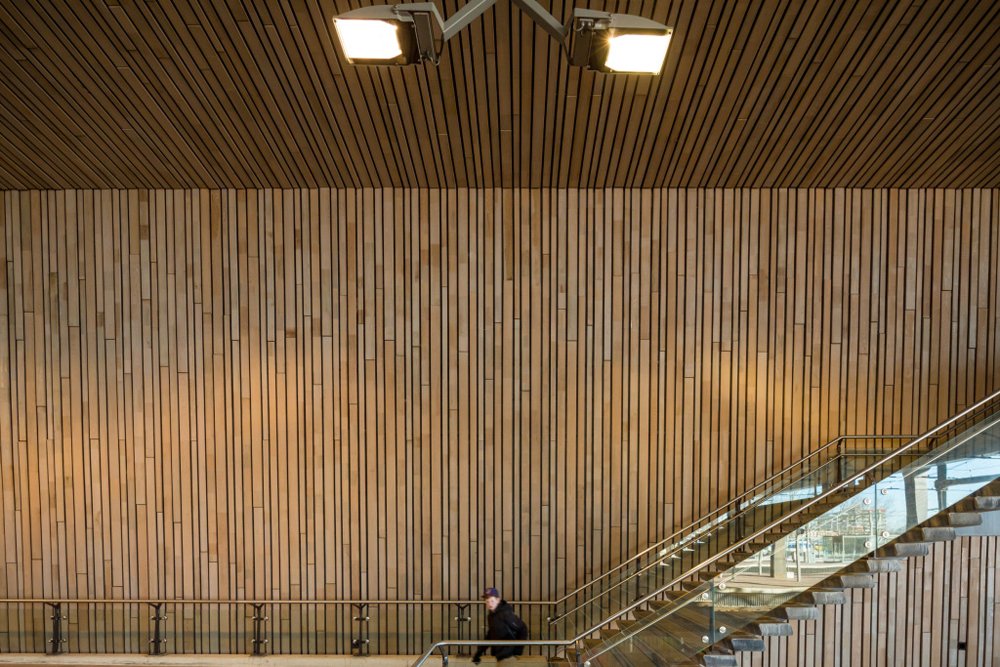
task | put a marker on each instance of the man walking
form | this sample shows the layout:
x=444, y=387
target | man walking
x=503, y=625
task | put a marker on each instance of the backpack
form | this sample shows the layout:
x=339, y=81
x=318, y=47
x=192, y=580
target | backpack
x=521, y=631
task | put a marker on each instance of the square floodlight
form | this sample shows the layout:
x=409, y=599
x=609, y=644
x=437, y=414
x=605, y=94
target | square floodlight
x=634, y=52
x=619, y=43
x=388, y=35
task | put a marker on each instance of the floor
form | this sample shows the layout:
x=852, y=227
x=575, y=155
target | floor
x=91, y=660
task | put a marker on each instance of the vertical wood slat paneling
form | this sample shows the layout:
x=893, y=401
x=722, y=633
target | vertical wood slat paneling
x=412, y=393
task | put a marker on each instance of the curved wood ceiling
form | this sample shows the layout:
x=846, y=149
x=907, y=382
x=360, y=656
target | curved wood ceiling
x=255, y=93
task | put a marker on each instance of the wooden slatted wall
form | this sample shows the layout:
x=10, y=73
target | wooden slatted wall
x=921, y=616
x=412, y=393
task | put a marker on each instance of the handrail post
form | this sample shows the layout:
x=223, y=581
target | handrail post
x=258, y=641
x=157, y=640
x=56, y=640
x=741, y=523
x=359, y=644
x=637, y=593
x=842, y=460
x=463, y=619
x=712, y=633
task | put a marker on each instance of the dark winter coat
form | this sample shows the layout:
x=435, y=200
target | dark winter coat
x=504, y=625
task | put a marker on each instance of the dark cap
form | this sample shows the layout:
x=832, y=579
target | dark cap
x=491, y=593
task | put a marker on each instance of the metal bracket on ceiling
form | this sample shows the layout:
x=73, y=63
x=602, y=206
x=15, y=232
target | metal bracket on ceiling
x=543, y=18
x=471, y=11
x=427, y=21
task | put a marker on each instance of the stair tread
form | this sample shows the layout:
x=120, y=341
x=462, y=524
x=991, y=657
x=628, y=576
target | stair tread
x=875, y=565
x=770, y=626
x=719, y=660
x=856, y=580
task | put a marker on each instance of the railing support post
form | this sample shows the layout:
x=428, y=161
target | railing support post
x=462, y=619
x=712, y=633
x=156, y=641
x=359, y=645
x=56, y=641
x=258, y=642
x=841, y=461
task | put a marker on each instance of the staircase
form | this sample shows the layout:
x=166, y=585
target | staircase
x=831, y=522
x=789, y=569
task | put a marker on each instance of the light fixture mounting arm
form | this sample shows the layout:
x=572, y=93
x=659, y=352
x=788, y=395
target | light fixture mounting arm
x=472, y=10
x=543, y=18
x=469, y=12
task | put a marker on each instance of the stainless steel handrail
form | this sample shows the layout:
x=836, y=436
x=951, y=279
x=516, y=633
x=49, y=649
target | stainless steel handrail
x=715, y=513
x=671, y=552
x=725, y=552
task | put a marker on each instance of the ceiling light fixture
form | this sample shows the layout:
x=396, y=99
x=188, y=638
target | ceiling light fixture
x=618, y=42
x=411, y=33
x=389, y=35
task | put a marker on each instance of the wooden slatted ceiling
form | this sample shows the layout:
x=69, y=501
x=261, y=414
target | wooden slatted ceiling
x=410, y=393
x=760, y=93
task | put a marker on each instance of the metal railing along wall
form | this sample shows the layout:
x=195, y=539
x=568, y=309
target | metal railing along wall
x=254, y=627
